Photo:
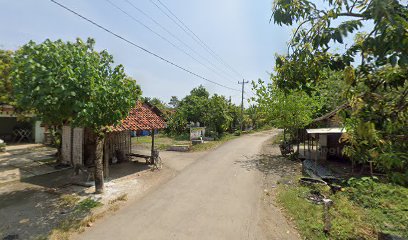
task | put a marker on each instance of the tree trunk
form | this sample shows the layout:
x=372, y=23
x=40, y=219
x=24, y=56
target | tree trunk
x=99, y=142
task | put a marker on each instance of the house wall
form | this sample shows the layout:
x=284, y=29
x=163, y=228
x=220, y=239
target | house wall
x=66, y=145
x=38, y=132
x=72, y=145
x=77, y=146
x=118, y=143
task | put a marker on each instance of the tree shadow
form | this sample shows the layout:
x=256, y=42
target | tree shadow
x=270, y=163
x=32, y=212
x=32, y=208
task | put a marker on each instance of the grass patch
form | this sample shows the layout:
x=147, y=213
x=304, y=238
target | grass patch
x=363, y=209
x=68, y=200
x=213, y=144
x=77, y=219
x=162, y=141
x=87, y=204
x=348, y=221
x=386, y=204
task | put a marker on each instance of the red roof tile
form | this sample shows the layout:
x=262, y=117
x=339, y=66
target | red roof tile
x=141, y=117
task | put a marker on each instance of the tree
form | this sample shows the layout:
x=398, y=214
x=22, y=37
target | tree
x=255, y=116
x=196, y=105
x=288, y=110
x=219, y=120
x=174, y=102
x=71, y=83
x=215, y=112
x=6, y=85
x=377, y=86
x=156, y=102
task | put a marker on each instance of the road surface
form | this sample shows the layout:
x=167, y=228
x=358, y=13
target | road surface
x=216, y=197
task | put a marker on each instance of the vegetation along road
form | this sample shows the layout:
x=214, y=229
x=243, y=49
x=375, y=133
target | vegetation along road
x=217, y=197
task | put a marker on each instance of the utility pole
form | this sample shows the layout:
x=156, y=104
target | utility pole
x=242, y=100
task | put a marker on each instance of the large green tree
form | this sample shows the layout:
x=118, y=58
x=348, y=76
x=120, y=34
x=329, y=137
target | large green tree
x=215, y=112
x=373, y=38
x=289, y=110
x=219, y=120
x=6, y=85
x=72, y=83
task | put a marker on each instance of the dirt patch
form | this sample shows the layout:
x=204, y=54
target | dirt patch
x=276, y=170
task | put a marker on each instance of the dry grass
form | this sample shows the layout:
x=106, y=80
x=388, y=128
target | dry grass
x=121, y=198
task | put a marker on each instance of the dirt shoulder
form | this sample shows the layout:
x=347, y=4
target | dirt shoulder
x=33, y=207
x=275, y=169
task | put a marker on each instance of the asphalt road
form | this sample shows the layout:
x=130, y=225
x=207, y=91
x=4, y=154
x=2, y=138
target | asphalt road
x=216, y=197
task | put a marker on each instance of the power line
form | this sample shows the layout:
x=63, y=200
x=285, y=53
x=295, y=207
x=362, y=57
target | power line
x=186, y=29
x=242, y=100
x=141, y=48
x=181, y=41
x=162, y=37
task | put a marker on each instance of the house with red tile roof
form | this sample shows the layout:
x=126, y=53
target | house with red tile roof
x=117, y=142
x=142, y=117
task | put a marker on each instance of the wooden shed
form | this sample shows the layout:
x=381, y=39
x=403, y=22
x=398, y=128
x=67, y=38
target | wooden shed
x=117, y=142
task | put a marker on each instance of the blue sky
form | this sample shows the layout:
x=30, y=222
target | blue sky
x=237, y=30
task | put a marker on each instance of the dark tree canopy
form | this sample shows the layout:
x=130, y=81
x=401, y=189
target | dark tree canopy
x=6, y=84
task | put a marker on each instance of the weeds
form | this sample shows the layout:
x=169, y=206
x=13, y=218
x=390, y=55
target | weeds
x=87, y=204
x=348, y=221
x=363, y=209
x=122, y=198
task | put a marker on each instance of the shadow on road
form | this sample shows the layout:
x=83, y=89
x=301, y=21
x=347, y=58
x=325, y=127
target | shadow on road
x=269, y=162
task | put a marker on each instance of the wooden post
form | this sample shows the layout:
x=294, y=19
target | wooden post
x=316, y=151
x=327, y=203
x=152, y=146
x=304, y=143
x=298, y=141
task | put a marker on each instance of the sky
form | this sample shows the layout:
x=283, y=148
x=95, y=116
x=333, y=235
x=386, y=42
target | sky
x=238, y=31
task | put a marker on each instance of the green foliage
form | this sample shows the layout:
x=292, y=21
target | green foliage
x=6, y=85
x=87, y=204
x=254, y=117
x=215, y=112
x=219, y=118
x=348, y=221
x=375, y=86
x=332, y=88
x=386, y=204
x=174, y=102
x=288, y=110
x=156, y=102
x=70, y=82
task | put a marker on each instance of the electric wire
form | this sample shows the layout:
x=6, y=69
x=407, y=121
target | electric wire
x=140, y=47
x=181, y=41
x=195, y=37
x=162, y=37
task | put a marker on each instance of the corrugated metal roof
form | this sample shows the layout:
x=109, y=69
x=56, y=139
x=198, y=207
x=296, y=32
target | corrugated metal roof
x=325, y=130
x=141, y=117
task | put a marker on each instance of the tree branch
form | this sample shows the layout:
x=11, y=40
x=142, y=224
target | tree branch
x=350, y=14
